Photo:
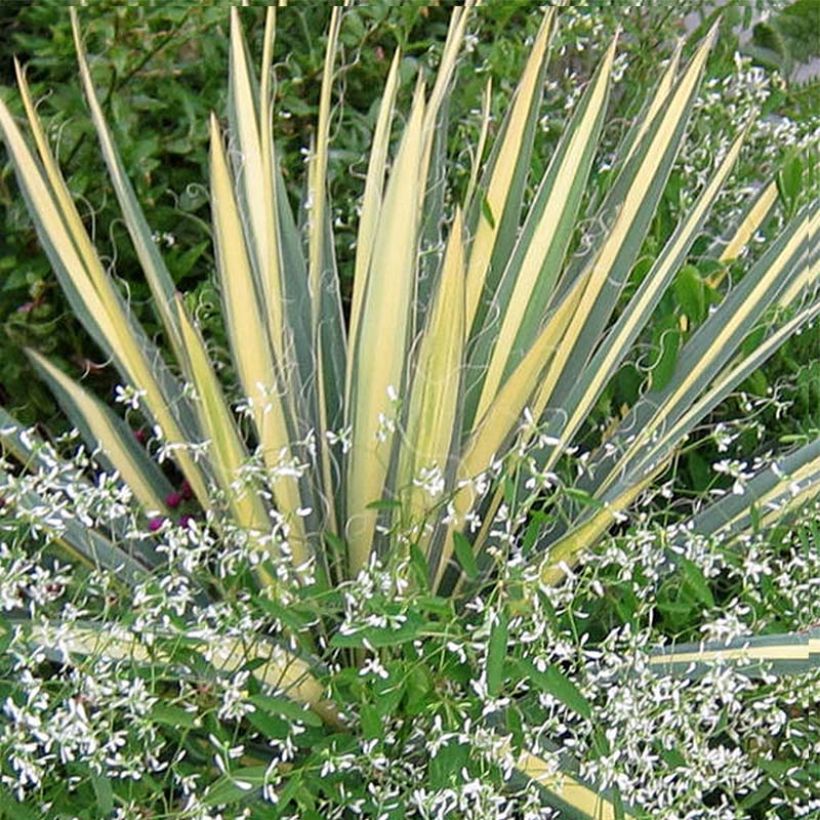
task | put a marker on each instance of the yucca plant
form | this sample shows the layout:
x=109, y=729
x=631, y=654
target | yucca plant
x=428, y=429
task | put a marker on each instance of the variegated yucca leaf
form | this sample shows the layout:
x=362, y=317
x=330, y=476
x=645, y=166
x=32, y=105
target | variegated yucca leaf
x=563, y=788
x=278, y=669
x=790, y=482
x=127, y=557
x=754, y=656
x=769, y=499
x=378, y=427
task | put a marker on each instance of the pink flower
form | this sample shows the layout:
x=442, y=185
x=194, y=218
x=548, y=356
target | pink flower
x=140, y=435
x=156, y=522
x=185, y=491
x=186, y=520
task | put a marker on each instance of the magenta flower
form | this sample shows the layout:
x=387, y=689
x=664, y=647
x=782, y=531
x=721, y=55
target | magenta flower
x=156, y=522
x=173, y=500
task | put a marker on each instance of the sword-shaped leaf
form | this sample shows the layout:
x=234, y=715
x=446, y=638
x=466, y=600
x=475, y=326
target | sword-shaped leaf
x=729, y=247
x=702, y=358
x=250, y=344
x=279, y=669
x=557, y=775
x=256, y=189
x=617, y=343
x=639, y=127
x=381, y=345
x=478, y=156
x=226, y=449
x=526, y=286
x=156, y=273
x=328, y=324
x=317, y=190
x=568, y=550
x=756, y=656
x=121, y=552
x=129, y=563
x=371, y=209
x=103, y=429
x=434, y=394
x=496, y=211
x=790, y=480
x=93, y=296
x=629, y=207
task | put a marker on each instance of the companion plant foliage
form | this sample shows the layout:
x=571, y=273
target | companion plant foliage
x=401, y=476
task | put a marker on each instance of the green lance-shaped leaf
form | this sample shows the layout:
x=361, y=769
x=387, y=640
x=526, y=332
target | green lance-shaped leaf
x=497, y=653
x=554, y=682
